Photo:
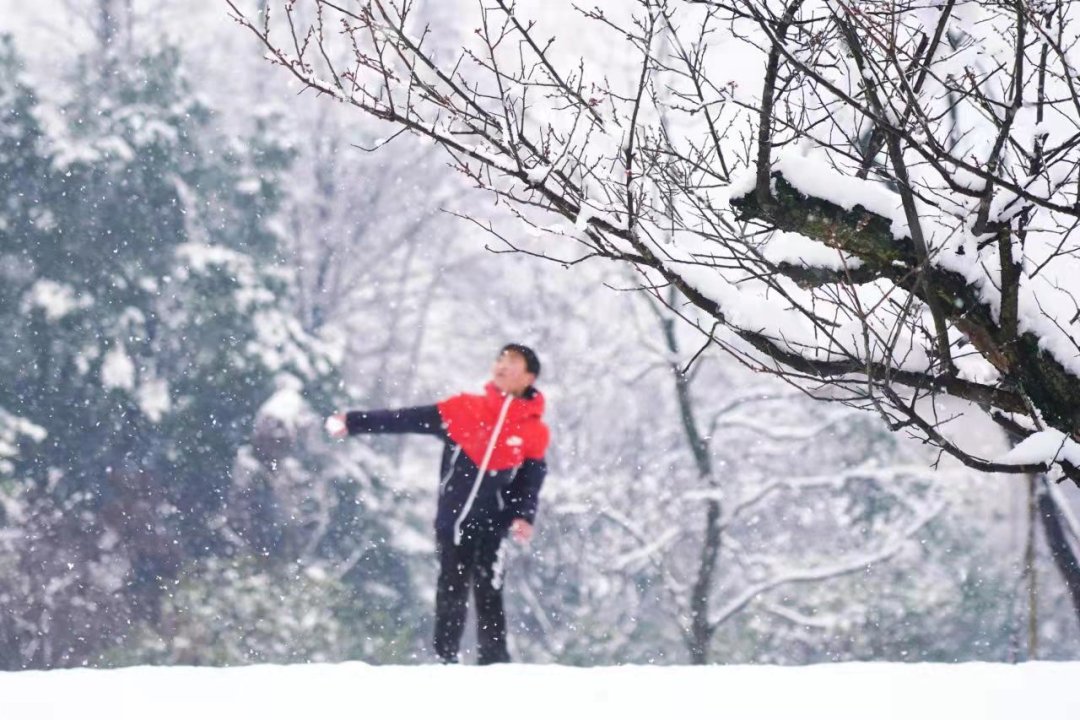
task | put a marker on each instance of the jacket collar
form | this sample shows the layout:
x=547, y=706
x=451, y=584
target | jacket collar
x=529, y=405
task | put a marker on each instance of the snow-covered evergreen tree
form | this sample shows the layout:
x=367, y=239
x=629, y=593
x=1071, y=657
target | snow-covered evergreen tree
x=155, y=361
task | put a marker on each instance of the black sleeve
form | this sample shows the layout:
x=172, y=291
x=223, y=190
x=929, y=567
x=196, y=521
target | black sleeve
x=424, y=419
x=523, y=494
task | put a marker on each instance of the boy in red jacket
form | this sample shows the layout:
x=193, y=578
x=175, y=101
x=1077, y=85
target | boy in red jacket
x=491, y=472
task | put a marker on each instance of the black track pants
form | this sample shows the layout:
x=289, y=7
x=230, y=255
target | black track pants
x=475, y=563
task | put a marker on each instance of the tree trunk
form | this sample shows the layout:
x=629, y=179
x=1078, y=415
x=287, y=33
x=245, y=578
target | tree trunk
x=1031, y=575
x=1061, y=550
x=110, y=25
x=701, y=629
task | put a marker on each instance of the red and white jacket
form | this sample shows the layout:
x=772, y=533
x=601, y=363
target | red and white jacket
x=493, y=459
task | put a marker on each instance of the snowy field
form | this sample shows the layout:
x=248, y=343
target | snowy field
x=971, y=691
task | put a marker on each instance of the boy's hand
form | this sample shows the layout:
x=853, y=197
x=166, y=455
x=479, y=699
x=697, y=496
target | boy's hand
x=336, y=427
x=521, y=530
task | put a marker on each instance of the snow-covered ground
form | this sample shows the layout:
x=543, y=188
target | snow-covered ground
x=973, y=691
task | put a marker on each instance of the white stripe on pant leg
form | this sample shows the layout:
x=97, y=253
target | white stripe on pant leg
x=498, y=568
x=483, y=469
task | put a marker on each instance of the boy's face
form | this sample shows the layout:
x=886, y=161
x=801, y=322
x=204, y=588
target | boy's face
x=510, y=373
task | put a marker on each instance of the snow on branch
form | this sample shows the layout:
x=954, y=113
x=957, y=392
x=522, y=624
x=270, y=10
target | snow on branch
x=845, y=193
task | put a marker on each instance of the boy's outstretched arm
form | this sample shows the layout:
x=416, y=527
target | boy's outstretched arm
x=424, y=419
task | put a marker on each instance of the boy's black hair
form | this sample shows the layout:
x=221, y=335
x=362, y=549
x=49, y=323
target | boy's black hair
x=532, y=363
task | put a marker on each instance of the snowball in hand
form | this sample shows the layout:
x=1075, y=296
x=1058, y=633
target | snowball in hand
x=334, y=426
